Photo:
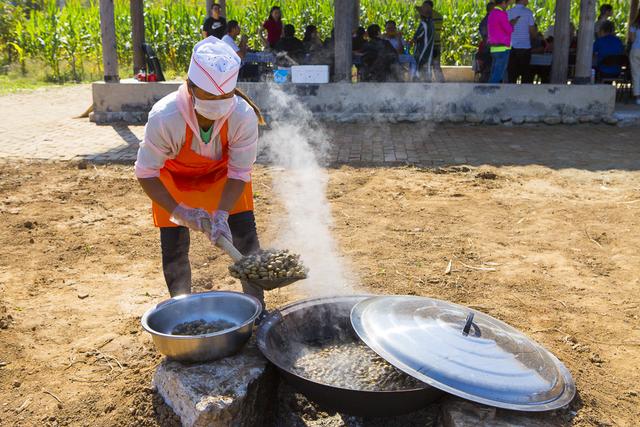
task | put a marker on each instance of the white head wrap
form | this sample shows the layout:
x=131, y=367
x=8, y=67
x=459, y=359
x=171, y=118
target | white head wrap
x=214, y=66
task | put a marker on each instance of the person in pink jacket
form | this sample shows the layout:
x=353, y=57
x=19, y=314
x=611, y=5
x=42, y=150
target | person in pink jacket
x=499, y=40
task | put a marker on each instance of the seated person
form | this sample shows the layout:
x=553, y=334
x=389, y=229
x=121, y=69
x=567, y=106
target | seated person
x=290, y=44
x=312, y=45
x=607, y=44
x=233, y=31
x=394, y=36
x=311, y=41
x=538, y=43
x=379, y=58
x=358, y=40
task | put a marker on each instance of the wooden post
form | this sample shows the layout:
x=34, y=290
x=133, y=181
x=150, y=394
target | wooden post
x=356, y=14
x=633, y=12
x=584, y=56
x=561, y=42
x=136, y=8
x=208, y=6
x=108, y=33
x=343, y=21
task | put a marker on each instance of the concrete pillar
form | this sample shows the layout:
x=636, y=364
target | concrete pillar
x=343, y=21
x=108, y=33
x=561, y=42
x=585, y=41
x=136, y=8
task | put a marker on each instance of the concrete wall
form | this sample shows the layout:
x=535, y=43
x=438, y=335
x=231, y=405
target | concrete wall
x=346, y=102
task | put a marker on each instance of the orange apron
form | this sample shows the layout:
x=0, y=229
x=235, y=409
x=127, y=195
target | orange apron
x=198, y=181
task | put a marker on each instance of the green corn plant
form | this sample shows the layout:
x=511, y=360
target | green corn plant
x=68, y=41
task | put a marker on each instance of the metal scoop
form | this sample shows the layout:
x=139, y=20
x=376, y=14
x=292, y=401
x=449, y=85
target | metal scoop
x=266, y=284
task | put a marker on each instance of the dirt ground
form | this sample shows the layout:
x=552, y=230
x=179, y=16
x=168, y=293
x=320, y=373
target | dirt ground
x=552, y=252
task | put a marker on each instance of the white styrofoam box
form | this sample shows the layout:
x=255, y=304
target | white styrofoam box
x=310, y=74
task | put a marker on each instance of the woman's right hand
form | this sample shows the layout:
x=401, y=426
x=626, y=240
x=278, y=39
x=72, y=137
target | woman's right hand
x=193, y=218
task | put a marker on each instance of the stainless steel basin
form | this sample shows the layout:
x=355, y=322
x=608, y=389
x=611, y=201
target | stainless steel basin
x=237, y=308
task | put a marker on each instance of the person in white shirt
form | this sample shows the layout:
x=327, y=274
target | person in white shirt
x=233, y=31
x=195, y=162
x=523, y=30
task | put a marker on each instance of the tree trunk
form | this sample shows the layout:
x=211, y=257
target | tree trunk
x=561, y=42
x=136, y=8
x=108, y=33
x=584, y=56
x=343, y=20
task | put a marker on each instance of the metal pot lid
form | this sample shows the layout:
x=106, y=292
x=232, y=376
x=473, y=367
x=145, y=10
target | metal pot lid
x=463, y=352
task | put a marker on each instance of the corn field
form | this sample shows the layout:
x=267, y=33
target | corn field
x=67, y=40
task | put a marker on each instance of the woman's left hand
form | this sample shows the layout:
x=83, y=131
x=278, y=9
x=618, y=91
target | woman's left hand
x=220, y=226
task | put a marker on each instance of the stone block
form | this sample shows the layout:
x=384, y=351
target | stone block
x=473, y=118
x=586, y=118
x=234, y=391
x=456, y=412
x=517, y=120
x=551, y=120
x=491, y=120
x=569, y=120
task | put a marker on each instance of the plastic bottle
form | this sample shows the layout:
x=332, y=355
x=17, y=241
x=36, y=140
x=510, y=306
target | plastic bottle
x=593, y=76
x=354, y=74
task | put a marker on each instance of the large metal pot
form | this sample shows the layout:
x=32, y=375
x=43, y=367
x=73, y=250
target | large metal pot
x=237, y=308
x=287, y=332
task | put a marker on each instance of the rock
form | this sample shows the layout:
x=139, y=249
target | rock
x=31, y=240
x=82, y=164
x=456, y=118
x=235, y=391
x=16, y=384
x=456, y=412
x=610, y=120
x=491, y=120
x=486, y=175
x=473, y=118
x=569, y=120
x=28, y=224
x=552, y=120
x=517, y=120
x=83, y=295
x=586, y=119
x=532, y=119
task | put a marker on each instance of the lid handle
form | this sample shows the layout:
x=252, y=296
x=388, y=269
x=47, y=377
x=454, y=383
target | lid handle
x=467, y=324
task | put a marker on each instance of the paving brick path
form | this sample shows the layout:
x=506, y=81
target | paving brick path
x=40, y=125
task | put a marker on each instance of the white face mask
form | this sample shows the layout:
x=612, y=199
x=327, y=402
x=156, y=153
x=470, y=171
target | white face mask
x=213, y=109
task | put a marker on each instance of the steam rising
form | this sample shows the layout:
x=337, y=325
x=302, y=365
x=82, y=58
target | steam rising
x=296, y=146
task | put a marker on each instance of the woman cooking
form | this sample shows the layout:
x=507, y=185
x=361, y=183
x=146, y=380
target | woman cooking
x=195, y=162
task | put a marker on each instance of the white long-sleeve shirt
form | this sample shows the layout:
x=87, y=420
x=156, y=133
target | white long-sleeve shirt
x=165, y=132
